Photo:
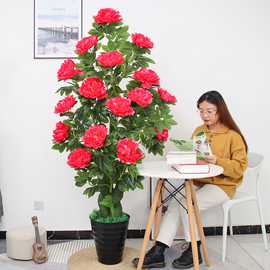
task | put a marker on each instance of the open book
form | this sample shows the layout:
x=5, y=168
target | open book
x=182, y=145
x=199, y=144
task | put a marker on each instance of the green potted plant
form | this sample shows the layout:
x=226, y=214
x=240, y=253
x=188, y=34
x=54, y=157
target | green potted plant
x=113, y=104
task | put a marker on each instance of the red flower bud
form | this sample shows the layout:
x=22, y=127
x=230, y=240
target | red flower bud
x=65, y=104
x=61, y=132
x=164, y=95
x=142, y=41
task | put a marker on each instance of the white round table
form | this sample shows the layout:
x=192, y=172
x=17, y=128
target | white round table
x=161, y=169
x=164, y=171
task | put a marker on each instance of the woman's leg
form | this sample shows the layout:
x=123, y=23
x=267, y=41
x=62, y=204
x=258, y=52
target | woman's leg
x=207, y=197
x=154, y=258
x=171, y=221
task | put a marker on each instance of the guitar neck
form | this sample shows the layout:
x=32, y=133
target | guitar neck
x=37, y=235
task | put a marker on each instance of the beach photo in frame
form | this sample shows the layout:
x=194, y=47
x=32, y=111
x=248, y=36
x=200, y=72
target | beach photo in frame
x=57, y=28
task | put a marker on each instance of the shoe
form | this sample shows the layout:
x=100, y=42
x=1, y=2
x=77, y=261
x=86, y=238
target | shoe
x=185, y=261
x=154, y=258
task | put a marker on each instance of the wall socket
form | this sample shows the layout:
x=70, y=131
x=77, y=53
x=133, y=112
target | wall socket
x=38, y=205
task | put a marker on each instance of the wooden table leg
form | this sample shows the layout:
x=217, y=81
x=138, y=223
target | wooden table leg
x=150, y=223
x=159, y=212
x=192, y=226
x=199, y=223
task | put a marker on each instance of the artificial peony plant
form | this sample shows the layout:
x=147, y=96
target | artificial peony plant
x=113, y=106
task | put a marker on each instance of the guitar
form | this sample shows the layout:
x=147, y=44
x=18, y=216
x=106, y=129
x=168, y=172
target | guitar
x=40, y=254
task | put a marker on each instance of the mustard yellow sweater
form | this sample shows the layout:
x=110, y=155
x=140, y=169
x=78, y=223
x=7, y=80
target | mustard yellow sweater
x=229, y=148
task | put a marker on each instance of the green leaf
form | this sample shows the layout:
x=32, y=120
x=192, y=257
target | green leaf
x=94, y=171
x=93, y=32
x=112, y=45
x=105, y=48
x=97, y=46
x=107, y=201
x=121, y=30
x=59, y=146
x=68, y=123
x=107, y=142
x=65, y=90
x=80, y=181
x=91, y=191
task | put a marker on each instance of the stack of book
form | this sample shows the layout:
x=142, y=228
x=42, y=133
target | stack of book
x=181, y=157
x=189, y=159
x=199, y=167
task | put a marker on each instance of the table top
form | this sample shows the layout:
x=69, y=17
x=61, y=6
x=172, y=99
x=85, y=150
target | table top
x=161, y=169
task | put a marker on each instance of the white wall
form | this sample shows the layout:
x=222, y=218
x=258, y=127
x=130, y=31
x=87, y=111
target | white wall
x=199, y=46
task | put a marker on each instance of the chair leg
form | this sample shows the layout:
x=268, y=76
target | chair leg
x=230, y=222
x=262, y=224
x=224, y=235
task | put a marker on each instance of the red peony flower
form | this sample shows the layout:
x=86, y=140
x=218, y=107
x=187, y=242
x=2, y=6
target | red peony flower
x=164, y=95
x=78, y=71
x=86, y=43
x=95, y=136
x=79, y=158
x=65, y=104
x=67, y=70
x=147, y=76
x=61, y=132
x=107, y=15
x=127, y=151
x=140, y=96
x=110, y=59
x=93, y=88
x=120, y=106
x=164, y=135
x=142, y=41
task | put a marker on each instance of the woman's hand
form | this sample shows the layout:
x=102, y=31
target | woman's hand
x=211, y=159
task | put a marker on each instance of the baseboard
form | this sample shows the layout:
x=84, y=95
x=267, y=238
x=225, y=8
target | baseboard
x=208, y=231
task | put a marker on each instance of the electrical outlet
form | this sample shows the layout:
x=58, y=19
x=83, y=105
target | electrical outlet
x=38, y=205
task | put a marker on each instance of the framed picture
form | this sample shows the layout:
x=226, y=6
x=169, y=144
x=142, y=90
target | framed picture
x=57, y=28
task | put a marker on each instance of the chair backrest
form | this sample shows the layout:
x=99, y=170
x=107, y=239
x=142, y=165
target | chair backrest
x=254, y=163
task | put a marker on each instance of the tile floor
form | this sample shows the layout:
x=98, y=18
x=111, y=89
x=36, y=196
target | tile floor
x=244, y=252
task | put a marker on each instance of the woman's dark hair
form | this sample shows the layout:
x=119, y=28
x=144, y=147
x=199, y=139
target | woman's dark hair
x=216, y=98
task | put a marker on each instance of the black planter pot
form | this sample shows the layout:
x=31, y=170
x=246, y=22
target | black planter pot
x=110, y=240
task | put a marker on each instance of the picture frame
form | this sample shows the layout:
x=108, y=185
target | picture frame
x=57, y=28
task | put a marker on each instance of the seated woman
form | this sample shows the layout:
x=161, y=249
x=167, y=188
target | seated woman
x=229, y=150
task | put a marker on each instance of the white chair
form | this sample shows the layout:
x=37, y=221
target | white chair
x=254, y=166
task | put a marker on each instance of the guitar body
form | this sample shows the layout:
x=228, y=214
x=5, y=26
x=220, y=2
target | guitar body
x=40, y=254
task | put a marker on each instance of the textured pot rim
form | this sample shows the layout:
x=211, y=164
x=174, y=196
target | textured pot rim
x=93, y=220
